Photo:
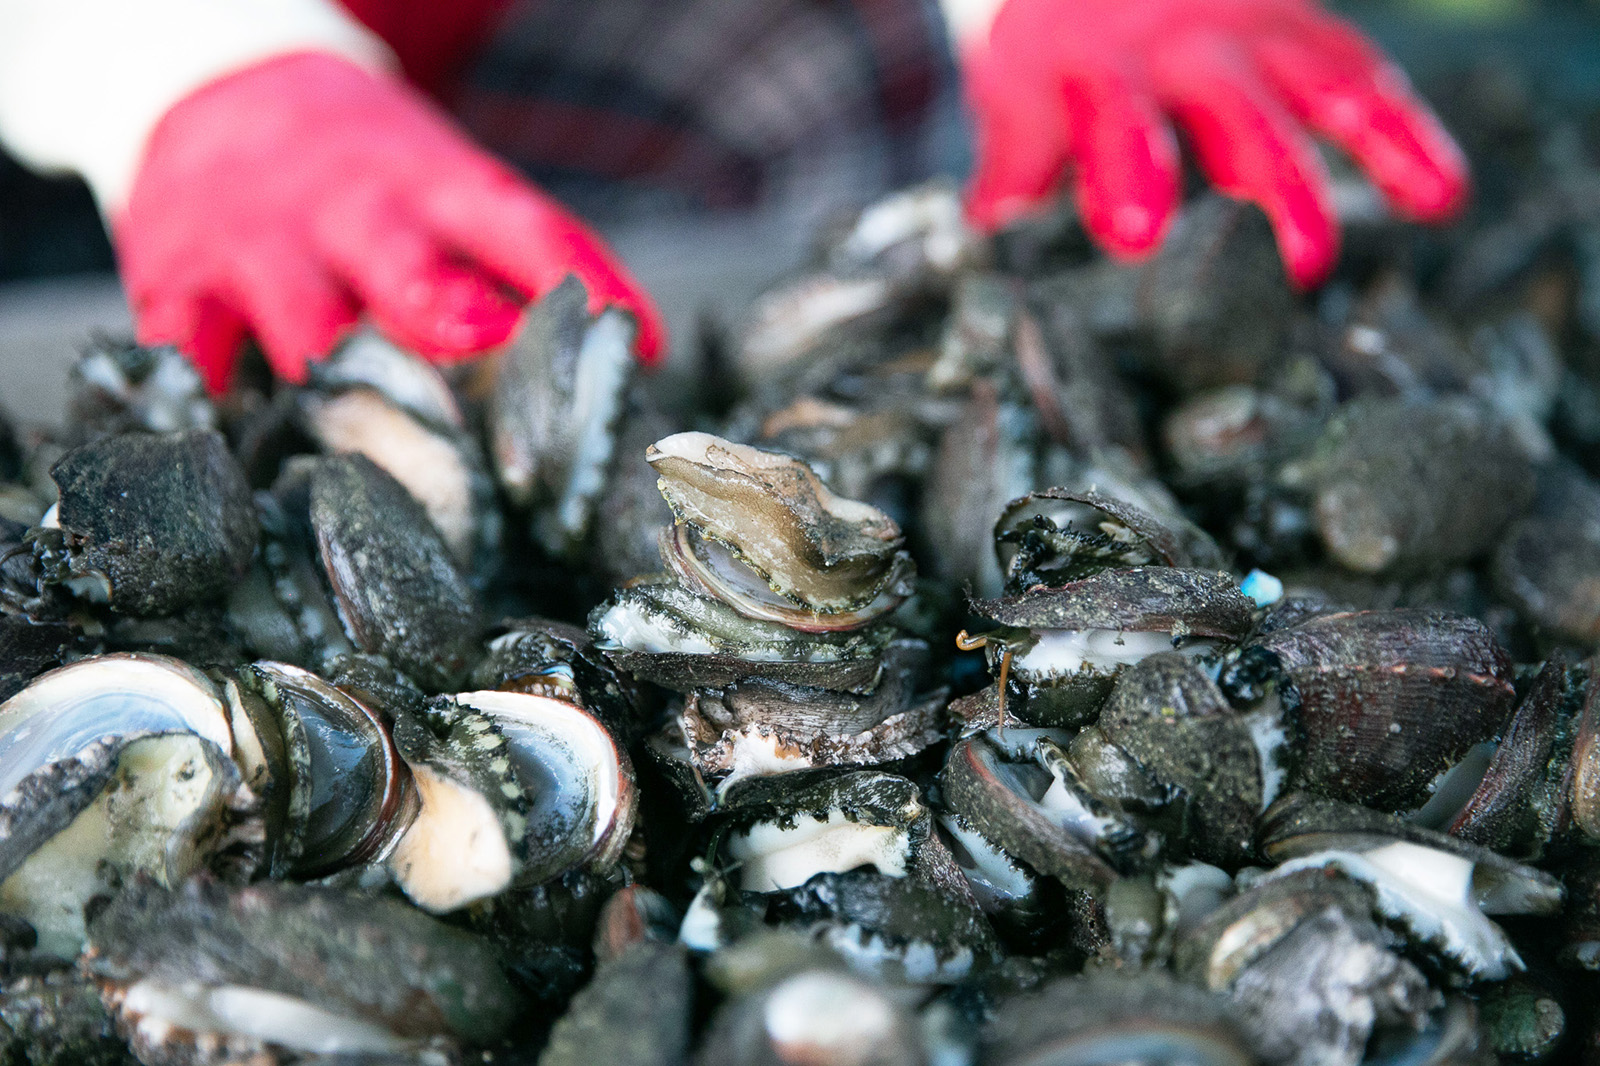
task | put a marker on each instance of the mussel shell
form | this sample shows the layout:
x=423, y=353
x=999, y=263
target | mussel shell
x=822, y=552
x=397, y=588
x=710, y=567
x=367, y=958
x=989, y=792
x=349, y=793
x=166, y=519
x=1084, y=633
x=784, y=830
x=1386, y=701
x=1197, y=603
x=636, y=1010
x=1299, y=825
x=70, y=708
x=1548, y=563
x=117, y=386
x=553, y=415
x=1248, y=926
x=441, y=470
x=1173, y=721
x=985, y=458
x=545, y=658
x=153, y=725
x=1399, y=485
x=1133, y=536
x=667, y=634
x=756, y=726
x=897, y=928
x=1143, y=1016
x=578, y=780
x=368, y=360
x=1524, y=797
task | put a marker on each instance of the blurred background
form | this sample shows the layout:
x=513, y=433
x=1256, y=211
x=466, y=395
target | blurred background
x=57, y=284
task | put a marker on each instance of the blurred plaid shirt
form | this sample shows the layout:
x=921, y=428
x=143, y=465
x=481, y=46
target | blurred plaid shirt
x=704, y=103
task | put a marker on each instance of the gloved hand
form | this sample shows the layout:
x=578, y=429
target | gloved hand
x=290, y=198
x=1091, y=87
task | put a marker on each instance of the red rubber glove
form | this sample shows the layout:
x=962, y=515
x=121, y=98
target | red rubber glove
x=1094, y=85
x=291, y=198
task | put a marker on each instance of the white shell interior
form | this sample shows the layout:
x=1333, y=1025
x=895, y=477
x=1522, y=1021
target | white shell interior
x=1429, y=892
x=566, y=760
x=1061, y=653
x=455, y=851
x=164, y=790
x=64, y=711
x=773, y=858
x=255, y=1014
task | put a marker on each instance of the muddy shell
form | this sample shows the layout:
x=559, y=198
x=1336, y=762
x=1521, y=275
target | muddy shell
x=147, y=523
x=345, y=973
x=398, y=590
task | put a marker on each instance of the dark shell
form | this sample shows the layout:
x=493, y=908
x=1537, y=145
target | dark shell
x=553, y=414
x=762, y=810
x=1523, y=798
x=1142, y=1016
x=1171, y=718
x=899, y=913
x=554, y=659
x=28, y=649
x=987, y=792
x=57, y=1019
x=817, y=727
x=1403, y=486
x=1071, y=378
x=1211, y=308
x=1197, y=603
x=634, y=1010
x=348, y=793
x=844, y=661
x=1549, y=562
x=168, y=519
x=121, y=387
x=984, y=459
x=1248, y=926
x=398, y=590
x=1044, y=548
x=371, y=958
x=1383, y=702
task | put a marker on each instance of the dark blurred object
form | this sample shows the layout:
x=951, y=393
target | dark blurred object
x=48, y=226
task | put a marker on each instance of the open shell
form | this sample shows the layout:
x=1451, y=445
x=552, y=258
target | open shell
x=774, y=516
x=515, y=789
x=150, y=726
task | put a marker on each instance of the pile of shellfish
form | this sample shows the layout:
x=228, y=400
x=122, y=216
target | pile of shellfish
x=1018, y=657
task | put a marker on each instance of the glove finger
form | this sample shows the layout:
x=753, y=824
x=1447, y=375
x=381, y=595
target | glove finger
x=530, y=241
x=1249, y=146
x=413, y=293
x=298, y=312
x=1127, y=163
x=202, y=328
x=1358, y=100
x=1022, y=144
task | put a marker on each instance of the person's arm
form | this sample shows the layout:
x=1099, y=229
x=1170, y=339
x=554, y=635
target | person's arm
x=84, y=82
x=264, y=175
x=1086, y=93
